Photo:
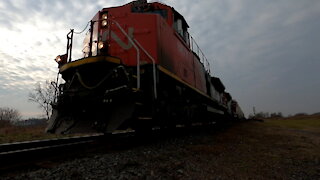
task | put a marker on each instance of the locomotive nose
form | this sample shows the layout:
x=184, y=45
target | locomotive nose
x=96, y=96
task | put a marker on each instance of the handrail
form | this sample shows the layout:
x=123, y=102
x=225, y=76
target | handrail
x=137, y=49
x=203, y=59
x=134, y=42
x=69, y=44
x=154, y=68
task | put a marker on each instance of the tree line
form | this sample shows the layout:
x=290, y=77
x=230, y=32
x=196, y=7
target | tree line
x=266, y=115
x=9, y=114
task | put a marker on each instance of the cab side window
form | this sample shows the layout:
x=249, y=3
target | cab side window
x=181, y=27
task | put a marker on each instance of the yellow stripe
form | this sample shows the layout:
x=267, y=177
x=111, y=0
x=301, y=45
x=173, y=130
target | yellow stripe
x=89, y=60
x=182, y=81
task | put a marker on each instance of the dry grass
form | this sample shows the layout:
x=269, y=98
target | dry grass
x=10, y=133
x=286, y=148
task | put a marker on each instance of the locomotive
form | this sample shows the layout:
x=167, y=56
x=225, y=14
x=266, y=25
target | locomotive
x=140, y=70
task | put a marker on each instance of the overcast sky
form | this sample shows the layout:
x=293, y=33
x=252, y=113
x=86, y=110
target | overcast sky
x=267, y=53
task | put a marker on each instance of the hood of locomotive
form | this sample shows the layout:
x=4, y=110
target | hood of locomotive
x=94, y=98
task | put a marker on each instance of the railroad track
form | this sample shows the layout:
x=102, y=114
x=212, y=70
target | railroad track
x=22, y=154
x=13, y=154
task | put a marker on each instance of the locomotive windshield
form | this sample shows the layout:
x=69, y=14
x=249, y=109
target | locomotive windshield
x=86, y=41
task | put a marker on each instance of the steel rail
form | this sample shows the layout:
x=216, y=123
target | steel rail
x=17, y=154
x=8, y=148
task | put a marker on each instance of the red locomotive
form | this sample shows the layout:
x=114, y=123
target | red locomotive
x=141, y=69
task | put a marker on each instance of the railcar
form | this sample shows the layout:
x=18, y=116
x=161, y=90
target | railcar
x=140, y=70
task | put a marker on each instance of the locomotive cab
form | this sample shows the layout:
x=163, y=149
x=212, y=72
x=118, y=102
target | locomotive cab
x=181, y=27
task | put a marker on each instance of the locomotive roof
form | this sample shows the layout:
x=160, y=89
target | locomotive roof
x=217, y=84
x=176, y=13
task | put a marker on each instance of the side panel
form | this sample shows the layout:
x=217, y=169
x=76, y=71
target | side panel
x=176, y=56
x=200, y=81
x=145, y=33
x=215, y=94
x=160, y=40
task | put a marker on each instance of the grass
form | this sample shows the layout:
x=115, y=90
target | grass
x=10, y=133
x=283, y=148
x=306, y=122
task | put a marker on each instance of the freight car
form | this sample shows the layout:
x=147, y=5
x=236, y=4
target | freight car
x=140, y=69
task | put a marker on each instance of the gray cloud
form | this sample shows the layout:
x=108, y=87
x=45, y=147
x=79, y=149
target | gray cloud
x=262, y=50
x=266, y=52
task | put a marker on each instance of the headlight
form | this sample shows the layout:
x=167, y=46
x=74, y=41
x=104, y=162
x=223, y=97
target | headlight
x=104, y=23
x=58, y=59
x=105, y=16
x=61, y=59
x=101, y=45
x=104, y=19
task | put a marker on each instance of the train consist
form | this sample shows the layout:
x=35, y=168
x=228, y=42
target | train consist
x=141, y=70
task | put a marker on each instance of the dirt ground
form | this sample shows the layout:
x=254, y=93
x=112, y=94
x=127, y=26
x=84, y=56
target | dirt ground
x=280, y=148
x=286, y=148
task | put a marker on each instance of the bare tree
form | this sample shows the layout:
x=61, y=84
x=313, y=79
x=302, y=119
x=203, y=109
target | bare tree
x=44, y=95
x=9, y=114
